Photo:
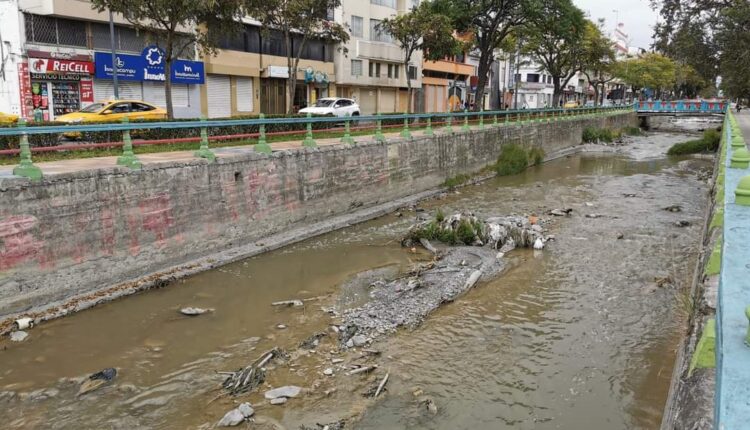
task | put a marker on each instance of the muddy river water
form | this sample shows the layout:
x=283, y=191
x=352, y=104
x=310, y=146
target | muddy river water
x=581, y=335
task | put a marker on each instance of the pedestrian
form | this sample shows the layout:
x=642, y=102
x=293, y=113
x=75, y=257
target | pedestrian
x=739, y=108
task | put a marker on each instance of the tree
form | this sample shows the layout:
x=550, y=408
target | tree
x=597, y=58
x=488, y=23
x=554, y=39
x=650, y=70
x=299, y=21
x=177, y=26
x=420, y=30
x=733, y=37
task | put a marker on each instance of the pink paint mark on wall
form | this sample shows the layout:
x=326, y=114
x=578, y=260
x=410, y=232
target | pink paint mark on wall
x=229, y=192
x=132, y=221
x=79, y=248
x=17, y=242
x=157, y=217
x=107, y=221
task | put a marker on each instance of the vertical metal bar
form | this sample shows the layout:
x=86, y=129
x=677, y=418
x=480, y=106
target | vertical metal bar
x=114, y=55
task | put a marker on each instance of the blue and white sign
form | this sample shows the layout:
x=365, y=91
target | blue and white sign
x=149, y=66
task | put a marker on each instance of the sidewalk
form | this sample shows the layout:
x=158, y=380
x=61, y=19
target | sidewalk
x=52, y=168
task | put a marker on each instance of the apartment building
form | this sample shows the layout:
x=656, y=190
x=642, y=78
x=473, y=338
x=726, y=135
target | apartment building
x=57, y=59
x=446, y=83
x=249, y=74
x=371, y=67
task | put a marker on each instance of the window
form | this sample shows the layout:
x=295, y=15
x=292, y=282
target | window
x=377, y=35
x=374, y=69
x=55, y=31
x=393, y=71
x=356, y=67
x=532, y=77
x=357, y=26
x=140, y=107
x=386, y=3
x=412, y=72
x=120, y=108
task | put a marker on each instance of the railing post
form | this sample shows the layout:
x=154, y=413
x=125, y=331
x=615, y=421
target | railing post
x=428, y=130
x=309, y=141
x=347, y=132
x=494, y=120
x=128, y=158
x=448, y=121
x=405, y=133
x=204, y=151
x=507, y=119
x=379, y=136
x=262, y=145
x=466, y=121
x=481, y=119
x=26, y=167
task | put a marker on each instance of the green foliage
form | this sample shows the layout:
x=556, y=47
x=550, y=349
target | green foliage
x=464, y=234
x=597, y=57
x=708, y=143
x=733, y=40
x=439, y=216
x=594, y=135
x=632, y=131
x=536, y=155
x=456, y=181
x=513, y=159
x=650, y=70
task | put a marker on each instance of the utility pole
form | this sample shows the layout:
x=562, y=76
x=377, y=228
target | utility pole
x=114, y=55
x=517, y=75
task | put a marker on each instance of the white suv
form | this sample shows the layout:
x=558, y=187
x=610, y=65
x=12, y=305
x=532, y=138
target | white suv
x=333, y=106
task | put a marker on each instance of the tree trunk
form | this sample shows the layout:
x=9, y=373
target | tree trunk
x=408, y=86
x=168, y=76
x=485, y=62
x=292, y=80
x=596, y=95
x=557, y=92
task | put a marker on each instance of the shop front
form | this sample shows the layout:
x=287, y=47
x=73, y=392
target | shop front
x=142, y=77
x=55, y=86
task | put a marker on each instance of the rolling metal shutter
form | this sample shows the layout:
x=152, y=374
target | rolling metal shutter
x=368, y=99
x=153, y=92
x=219, y=95
x=105, y=90
x=244, y=94
x=387, y=101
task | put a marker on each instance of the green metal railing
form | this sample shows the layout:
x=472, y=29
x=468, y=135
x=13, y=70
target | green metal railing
x=523, y=117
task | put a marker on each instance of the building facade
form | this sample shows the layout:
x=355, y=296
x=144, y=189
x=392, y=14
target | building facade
x=370, y=67
x=59, y=61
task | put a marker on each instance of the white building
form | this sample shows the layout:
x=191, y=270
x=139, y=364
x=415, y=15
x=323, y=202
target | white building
x=371, y=71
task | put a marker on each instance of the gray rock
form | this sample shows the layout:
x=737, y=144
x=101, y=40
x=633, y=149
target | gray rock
x=246, y=410
x=232, y=418
x=349, y=343
x=18, y=336
x=278, y=401
x=287, y=391
x=328, y=372
x=359, y=340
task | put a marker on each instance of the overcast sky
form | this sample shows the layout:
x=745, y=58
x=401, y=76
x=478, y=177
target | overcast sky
x=637, y=15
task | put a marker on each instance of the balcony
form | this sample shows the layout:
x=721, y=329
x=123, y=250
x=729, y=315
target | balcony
x=449, y=67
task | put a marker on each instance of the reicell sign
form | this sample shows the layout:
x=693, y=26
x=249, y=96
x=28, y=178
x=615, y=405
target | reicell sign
x=55, y=65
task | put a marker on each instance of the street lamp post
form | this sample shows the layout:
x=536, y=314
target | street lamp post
x=114, y=55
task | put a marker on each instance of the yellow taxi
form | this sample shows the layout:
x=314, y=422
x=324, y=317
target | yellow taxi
x=8, y=118
x=571, y=104
x=114, y=111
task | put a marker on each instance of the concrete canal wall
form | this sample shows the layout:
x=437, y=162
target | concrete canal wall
x=73, y=239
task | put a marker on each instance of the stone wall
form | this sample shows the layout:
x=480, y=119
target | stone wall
x=71, y=235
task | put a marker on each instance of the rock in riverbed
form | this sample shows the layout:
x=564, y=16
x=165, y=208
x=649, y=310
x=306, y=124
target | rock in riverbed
x=18, y=336
x=232, y=418
x=287, y=391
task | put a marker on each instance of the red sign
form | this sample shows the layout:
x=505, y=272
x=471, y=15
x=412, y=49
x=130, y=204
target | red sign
x=87, y=91
x=55, y=65
x=25, y=89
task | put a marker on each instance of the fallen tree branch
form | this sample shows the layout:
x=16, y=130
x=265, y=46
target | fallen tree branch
x=382, y=384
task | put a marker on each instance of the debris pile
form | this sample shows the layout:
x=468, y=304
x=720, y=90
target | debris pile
x=248, y=378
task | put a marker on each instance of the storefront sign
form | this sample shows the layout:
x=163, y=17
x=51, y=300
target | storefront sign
x=87, y=91
x=54, y=65
x=25, y=90
x=149, y=66
x=278, y=72
x=55, y=77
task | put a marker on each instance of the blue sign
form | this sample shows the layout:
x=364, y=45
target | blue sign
x=149, y=66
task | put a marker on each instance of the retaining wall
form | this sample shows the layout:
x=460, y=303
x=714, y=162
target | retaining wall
x=73, y=235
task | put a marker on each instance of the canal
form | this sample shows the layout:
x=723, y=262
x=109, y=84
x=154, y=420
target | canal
x=580, y=335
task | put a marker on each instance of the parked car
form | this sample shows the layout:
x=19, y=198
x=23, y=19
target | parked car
x=114, y=111
x=333, y=106
x=8, y=118
x=571, y=104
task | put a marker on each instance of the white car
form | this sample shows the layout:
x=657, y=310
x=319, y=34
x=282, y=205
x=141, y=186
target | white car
x=333, y=106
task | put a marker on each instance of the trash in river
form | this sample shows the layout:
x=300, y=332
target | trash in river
x=313, y=341
x=430, y=404
x=539, y=244
x=673, y=208
x=191, y=311
x=18, y=336
x=248, y=378
x=594, y=216
x=23, y=323
x=97, y=380
x=295, y=303
x=287, y=392
x=629, y=195
x=560, y=212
